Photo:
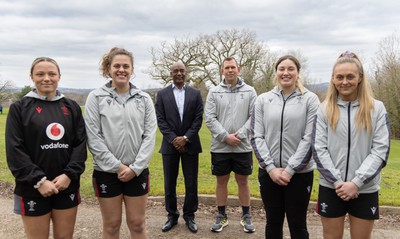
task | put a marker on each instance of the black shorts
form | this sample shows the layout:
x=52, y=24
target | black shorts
x=225, y=163
x=330, y=205
x=39, y=206
x=108, y=185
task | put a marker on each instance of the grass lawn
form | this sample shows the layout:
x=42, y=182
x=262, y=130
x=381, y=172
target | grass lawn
x=389, y=193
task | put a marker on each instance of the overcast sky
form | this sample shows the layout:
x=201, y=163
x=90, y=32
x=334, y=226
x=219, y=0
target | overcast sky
x=77, y=33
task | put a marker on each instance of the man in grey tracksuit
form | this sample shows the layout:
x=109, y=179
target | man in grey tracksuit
x=227, y=114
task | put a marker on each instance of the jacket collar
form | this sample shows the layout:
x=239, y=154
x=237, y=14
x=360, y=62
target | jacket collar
x=278, y=91
x=34, y=94
x=110, y=89
x=342, y=102
x=239, y=84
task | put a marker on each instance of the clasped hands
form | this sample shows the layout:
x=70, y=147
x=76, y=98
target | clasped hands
x=280, y=176
x=232, y=139
x=125, y=173
x=58, y=184
x=179, y=143
x=347, y=190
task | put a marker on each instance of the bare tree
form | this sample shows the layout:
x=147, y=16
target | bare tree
x=203, y=56
x=386, y=83
x=4, y=94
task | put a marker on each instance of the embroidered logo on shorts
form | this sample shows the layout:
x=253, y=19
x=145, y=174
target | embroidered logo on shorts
x=72, y=196
x=308, y=189
x=103, y=188
x=373, y=210
x=324, y=206
x=144, y=185
x=31, y=205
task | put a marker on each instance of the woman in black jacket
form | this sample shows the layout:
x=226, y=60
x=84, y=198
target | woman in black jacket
x=46, y=153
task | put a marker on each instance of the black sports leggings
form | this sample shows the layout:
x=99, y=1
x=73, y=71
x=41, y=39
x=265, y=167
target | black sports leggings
x=291, y=200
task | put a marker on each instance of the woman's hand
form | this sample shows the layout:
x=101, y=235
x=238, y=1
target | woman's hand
x=125, y=173
x=276, y=176
x=62, y=182
x=347, y=191
x=47, y=188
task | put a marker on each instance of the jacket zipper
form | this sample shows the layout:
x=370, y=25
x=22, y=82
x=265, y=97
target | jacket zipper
x=348, y=141
x=281, y=136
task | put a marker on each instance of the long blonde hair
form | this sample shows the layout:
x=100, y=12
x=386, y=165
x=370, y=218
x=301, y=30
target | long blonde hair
x=364, y=95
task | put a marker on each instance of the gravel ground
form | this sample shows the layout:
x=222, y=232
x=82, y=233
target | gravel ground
x=89, y=222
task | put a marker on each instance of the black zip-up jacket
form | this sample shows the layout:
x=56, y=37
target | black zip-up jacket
x=45, y=139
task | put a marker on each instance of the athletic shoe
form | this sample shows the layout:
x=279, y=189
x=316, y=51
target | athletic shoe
x=220, y=223
x=246, y=223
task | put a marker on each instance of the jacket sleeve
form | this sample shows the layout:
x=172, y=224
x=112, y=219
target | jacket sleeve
x=217, y=130
x=257, y=136
x=378, y=157
x=18, y=158
x=302, y=156
x=198, y=118
x=244, y=131
x=148, y=139
x=163, y=125
x=320, y=150
x=76, y=165
x=96, y=142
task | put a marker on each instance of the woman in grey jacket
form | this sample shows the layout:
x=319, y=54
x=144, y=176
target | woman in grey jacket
x=121, y=127
x=281, y=127
x=351, y=143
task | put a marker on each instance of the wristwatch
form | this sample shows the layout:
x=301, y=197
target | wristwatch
x=186, y=138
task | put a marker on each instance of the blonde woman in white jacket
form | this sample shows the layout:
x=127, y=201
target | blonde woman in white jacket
x=351, y=143
x=281, y=127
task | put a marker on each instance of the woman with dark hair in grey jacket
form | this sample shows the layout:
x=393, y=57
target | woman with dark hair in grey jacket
x=351, y=143
x=281, y=127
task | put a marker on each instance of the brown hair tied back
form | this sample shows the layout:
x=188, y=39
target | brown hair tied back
x=108, y=58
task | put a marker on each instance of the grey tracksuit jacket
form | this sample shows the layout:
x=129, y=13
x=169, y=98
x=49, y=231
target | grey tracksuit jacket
x=228, y=111
x=120, y=131
x=348, y=155
x=281, y=130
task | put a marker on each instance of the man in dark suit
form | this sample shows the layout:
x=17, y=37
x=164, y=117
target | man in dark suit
x=179, y=110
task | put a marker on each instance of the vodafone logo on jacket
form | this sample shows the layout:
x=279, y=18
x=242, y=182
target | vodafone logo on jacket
x=55, y=131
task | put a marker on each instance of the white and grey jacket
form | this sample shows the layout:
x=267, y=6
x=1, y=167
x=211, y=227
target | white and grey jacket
x=348, y=154
x=281, y=130
x=228, y=111
x=120, y=131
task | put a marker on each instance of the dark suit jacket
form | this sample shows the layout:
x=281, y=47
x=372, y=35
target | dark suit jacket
x=170, y=123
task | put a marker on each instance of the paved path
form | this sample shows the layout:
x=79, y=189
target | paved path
x=89, y=223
